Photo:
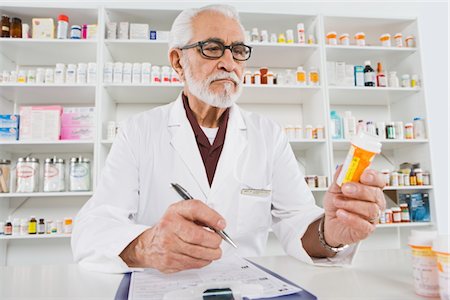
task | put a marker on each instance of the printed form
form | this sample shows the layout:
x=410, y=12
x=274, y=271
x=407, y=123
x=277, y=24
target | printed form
x=153, y=285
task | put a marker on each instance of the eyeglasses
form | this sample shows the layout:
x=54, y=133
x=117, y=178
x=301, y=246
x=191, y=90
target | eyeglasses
x=214, y=49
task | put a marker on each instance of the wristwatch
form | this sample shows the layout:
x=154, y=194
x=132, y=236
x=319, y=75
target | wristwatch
x=324, y=243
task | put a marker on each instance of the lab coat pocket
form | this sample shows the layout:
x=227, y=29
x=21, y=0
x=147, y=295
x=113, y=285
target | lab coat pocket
x=254, y=209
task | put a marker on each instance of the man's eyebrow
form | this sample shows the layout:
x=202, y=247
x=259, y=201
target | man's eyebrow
x=216, y=39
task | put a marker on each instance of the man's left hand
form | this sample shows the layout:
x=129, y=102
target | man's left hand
x=353, y=210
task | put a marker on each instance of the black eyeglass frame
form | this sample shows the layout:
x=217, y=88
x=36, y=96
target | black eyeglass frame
x=200, y=44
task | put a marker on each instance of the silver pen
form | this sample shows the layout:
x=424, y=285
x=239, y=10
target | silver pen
x=186, y=196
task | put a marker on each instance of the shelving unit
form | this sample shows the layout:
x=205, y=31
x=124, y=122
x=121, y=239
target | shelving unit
x=284, y=104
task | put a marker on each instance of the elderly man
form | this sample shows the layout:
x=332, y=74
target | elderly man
x=237, y=165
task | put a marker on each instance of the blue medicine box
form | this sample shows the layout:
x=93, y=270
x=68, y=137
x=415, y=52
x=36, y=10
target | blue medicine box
x=419, y=206
x=9, y=134
x=9, y=121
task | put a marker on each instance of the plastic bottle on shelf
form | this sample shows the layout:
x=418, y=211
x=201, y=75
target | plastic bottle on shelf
x=63, y=26
x=381, y=78
x=301, y=76
x=336, y=125
x=349, y=125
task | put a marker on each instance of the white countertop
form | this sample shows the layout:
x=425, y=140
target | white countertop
x=375, y=275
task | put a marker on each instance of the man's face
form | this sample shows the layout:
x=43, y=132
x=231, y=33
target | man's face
x=218, y=82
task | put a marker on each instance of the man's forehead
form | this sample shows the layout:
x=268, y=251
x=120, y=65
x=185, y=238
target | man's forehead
x=213, y=25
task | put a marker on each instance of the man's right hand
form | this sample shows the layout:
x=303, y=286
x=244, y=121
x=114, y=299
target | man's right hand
x=179, y=241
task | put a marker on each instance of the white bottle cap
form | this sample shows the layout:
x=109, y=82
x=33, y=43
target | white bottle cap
x=299, y=69
x=300, y=26
x=367, y=142
x=367, y=63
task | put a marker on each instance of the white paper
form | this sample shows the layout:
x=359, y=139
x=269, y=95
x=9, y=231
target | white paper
x=153, y=285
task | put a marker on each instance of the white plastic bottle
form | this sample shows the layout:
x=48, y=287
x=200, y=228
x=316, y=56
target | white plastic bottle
x=63, y=26
x=60, y=72
x=82, y=73
x=146, y=72
x=137, y=71
x=419, y=128
x=127, y=72
x=108, y=72
x=118, y=72
x=92, y=73
x=301, y=33
x=71, y=72
x=349, y=125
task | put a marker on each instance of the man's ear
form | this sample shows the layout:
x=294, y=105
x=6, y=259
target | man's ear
x=175, y=61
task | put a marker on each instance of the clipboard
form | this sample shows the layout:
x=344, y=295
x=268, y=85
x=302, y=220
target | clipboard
x=124, y=286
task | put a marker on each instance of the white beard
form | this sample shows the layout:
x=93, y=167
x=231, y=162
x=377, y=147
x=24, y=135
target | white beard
x=201, y=89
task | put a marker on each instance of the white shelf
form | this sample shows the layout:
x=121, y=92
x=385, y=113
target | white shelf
x=408, y=188
x=162, y=93
x=409, y=224
x=306, y=144
x=62, y=146
x=22, y=93
x=48, y=52
x=46, y=194
x=319, y=189
x=353, y=95
x=35, y=236
x=165, y=93
x=358, y=53
x=386, y=144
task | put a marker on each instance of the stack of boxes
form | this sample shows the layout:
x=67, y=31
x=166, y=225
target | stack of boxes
x=9, y=127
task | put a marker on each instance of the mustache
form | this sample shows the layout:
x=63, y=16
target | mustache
x=225, y=75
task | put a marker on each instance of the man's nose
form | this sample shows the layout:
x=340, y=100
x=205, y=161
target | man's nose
x=227, y=61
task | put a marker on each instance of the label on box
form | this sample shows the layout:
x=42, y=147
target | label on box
x=77, y=133
x=43, y=28
x=9, y=121
x=41, y=123
x=139, y=31
x=9, y=134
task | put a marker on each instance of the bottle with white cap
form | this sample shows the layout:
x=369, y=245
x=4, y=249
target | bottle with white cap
x=301, y=33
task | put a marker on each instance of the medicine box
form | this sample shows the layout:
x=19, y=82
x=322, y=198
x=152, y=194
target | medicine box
x=9, y=121
x=41, y=123
x=43, y=28
x=419, y=206
x=123, y=30
x=162, y=35
x=359, y=76
x=9, y=134
x=78, y=116
x=139, y=31
x=91, y=32
x=77, y=133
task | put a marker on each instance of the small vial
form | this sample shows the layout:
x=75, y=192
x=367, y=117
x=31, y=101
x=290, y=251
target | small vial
x=31, y=76
x=309, y=132
x=49, y=76
x=82, y=73
x=91, y=73
x=71, y=73
x=127, y=72
x=406, y=82
x=41, y=226
x=301, y=76
x=313, y=77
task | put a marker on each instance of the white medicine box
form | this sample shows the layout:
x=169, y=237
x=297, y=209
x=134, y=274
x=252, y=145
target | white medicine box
x=43, y=28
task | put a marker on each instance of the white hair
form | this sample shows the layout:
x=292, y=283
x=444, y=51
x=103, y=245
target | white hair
x=181, y=32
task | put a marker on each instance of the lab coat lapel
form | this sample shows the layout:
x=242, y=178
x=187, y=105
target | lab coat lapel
x=235, y=143
x=183, y=140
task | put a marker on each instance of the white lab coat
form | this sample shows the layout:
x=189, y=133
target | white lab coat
x=157, y=147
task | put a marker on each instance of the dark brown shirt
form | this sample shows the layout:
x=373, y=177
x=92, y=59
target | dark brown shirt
x=210, y=153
